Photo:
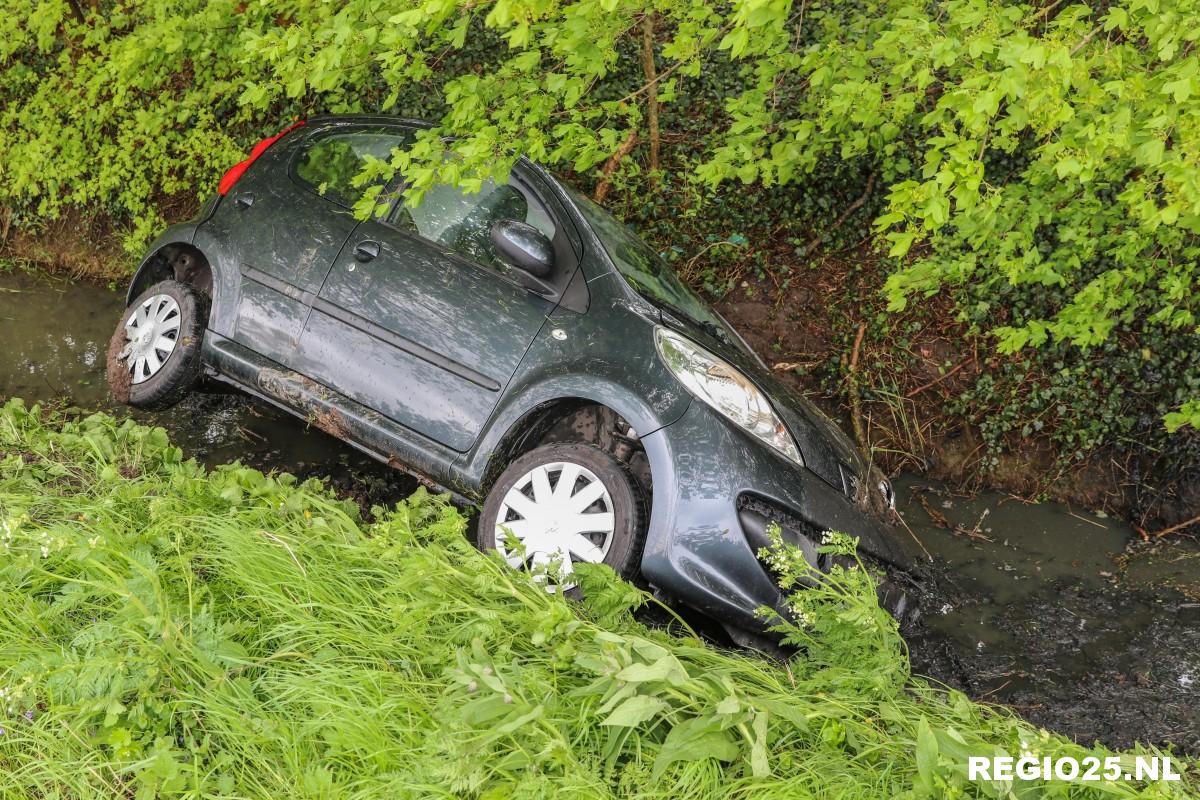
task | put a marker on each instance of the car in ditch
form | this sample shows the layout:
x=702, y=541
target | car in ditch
x=516, y=345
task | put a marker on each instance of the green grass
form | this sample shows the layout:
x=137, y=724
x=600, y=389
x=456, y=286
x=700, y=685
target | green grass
x=167, y=631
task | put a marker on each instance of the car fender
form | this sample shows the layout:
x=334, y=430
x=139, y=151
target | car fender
x=510, y=419
x=226, y=277
x=183, y=233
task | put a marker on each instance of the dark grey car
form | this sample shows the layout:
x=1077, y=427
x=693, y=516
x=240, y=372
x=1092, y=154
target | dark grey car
x=517, y=345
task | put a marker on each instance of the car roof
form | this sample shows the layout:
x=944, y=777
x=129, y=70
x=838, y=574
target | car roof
x=384, y=119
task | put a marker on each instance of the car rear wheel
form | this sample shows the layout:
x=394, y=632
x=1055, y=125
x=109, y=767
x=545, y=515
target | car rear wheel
x=154, y=354
x=566, y=503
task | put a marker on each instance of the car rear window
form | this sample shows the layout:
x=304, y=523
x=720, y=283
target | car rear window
x=328, y=162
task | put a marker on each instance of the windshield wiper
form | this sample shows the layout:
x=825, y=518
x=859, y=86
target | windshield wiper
x=708, y=326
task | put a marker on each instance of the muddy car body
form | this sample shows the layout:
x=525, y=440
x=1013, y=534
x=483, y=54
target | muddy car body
x=521, y=320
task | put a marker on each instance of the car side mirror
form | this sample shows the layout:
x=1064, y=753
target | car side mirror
x=525, y=248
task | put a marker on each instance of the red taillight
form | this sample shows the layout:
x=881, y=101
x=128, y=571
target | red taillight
x=235, y=172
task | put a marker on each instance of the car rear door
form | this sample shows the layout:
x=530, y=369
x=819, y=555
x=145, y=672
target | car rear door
x=290, y=215
x=420, y=321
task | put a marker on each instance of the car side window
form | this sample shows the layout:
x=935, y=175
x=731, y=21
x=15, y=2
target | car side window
x=462, y=221
x=327, y=163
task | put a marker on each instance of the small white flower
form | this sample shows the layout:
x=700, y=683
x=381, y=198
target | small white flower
x=802, y=618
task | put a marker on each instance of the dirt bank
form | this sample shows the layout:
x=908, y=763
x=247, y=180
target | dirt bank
x=809, y=332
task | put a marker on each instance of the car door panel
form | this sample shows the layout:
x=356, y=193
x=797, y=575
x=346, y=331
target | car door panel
x=271, y=314
x=401, y=386
x=289, y=232
x=424, y=337
x=287, y=240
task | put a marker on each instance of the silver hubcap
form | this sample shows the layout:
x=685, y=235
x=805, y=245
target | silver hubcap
x=153, y=332
x=561, y=512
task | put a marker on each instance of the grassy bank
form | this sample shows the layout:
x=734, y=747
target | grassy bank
x=166, y=631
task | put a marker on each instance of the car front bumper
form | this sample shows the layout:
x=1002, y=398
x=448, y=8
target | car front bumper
x=701, y=545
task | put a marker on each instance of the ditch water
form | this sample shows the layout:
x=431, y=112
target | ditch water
x=1061, y=614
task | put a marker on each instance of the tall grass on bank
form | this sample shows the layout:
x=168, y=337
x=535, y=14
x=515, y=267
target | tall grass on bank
x=167, y=631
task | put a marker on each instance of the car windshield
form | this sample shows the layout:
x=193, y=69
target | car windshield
x=645, y=270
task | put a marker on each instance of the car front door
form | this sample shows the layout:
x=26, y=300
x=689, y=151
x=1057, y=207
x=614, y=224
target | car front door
x=293, y=216
x=421, y=321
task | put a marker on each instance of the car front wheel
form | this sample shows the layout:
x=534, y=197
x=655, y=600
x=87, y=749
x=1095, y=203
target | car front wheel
x=154, y=354
x=565, y=504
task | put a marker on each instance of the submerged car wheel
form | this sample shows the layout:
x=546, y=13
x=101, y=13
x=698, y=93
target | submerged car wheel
x=566, y=503
x=154, y=355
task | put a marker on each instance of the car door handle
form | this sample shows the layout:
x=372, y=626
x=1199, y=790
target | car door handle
x=244, y=200
x=366, y=250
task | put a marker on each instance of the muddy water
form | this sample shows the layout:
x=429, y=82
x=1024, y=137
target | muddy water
x=1039, y=607
x=1062, y=614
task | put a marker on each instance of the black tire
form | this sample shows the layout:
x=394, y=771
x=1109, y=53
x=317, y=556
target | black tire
x=180, y=371
x=628, y=504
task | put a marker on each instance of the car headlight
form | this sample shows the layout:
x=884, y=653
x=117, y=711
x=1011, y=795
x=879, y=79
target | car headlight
x=726, y=390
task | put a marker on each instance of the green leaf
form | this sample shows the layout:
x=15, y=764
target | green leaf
x=759, y=766
x=901, y=243
x=231, y=651
x=927, y=755
x=1188, y=414
x=735, y=41
x=693, y=740
x=1180, y=90
x=666, y=669
x=635, y=711
x=1151, y=153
